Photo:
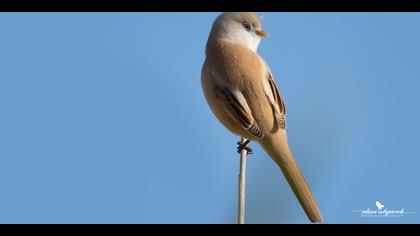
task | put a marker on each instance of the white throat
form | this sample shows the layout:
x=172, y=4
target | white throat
x=244, y=37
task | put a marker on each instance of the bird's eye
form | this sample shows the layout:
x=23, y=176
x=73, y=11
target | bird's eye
x=247, y=26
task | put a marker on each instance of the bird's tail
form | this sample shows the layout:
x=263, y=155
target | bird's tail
x=279, y=151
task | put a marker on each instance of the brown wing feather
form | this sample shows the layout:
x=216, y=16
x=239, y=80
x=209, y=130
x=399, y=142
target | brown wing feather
x=279, y=106
x=235, y=109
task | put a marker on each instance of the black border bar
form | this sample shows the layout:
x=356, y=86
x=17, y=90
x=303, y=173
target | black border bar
x=208, y=6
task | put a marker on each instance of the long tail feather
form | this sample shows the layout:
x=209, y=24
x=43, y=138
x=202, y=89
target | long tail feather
x=279, y=151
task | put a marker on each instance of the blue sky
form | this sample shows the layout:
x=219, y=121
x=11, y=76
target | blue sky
x=103, y=119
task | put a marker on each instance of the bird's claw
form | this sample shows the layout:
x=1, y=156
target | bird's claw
x=243, y=146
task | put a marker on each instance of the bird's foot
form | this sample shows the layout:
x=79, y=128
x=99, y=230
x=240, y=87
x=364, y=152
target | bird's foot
x=243, y=146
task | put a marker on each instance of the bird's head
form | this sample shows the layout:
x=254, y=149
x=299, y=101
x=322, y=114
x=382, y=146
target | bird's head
x=241, y=27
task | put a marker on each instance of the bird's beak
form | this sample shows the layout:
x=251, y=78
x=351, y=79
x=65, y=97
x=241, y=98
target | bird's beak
x=261, y=33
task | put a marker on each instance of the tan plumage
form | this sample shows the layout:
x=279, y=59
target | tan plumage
x=240, y=90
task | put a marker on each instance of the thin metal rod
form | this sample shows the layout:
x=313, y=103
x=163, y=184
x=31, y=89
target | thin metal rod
x=242, y=178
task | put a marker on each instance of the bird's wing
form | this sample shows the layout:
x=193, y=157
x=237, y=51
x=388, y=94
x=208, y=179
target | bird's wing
x=378, y=204
x=276, y=99
x=236, y=106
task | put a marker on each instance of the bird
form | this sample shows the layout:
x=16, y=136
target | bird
x=240, y=89
x=379, y=205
